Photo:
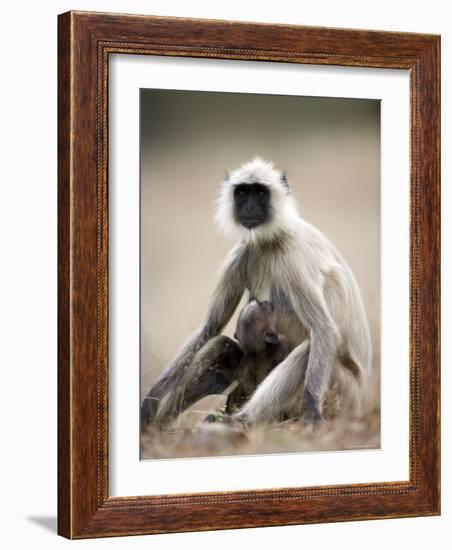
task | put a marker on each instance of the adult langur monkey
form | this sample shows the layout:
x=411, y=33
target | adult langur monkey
x=281, y=258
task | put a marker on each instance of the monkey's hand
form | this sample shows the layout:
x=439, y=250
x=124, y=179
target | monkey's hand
x=218, y=417
x=242, y=418
x=310, y=408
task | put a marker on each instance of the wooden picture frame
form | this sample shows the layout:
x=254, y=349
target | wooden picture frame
x=85, y=42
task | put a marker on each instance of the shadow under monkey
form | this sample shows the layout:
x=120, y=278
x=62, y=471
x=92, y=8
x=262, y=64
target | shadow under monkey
x=225, y=363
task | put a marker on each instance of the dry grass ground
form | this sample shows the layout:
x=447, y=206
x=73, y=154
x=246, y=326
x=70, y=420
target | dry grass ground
x=191, y=437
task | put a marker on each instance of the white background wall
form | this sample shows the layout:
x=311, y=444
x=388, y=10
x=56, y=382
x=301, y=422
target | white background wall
x=28, y=272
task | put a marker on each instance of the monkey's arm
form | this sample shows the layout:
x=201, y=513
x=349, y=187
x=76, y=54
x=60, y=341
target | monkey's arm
x=279, y=352
x=309, y=304
x=297, y=385
x=159, y=404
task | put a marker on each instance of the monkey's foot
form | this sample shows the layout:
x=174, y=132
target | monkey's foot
x=242, y=419
x=310, y=410
x=218, y=417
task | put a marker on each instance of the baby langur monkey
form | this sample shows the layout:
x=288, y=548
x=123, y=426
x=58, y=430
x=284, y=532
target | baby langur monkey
x=224, y=363
x=263, y=349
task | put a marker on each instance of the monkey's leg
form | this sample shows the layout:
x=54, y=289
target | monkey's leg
x=280, y=351
x=239, y=395
x=343, y=397
x=151, y=402
x=281, y=390
x=213, y=369
x=165, y=396
x=235, y=399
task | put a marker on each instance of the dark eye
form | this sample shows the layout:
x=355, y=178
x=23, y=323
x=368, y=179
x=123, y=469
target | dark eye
x=261, y=193
x=241, y=192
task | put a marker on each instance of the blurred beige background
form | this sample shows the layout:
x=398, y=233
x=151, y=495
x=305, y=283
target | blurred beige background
x=330, y=149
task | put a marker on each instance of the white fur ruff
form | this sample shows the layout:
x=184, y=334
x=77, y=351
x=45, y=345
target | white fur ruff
x=284, y=214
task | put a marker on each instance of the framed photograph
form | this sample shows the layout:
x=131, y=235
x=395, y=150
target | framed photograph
x=248, y=275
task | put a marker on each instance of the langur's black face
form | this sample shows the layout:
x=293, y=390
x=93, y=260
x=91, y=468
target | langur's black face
x=251, y=204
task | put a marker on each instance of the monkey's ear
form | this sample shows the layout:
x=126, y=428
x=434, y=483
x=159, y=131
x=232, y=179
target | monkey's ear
x=271, y=337
x=284, y=181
